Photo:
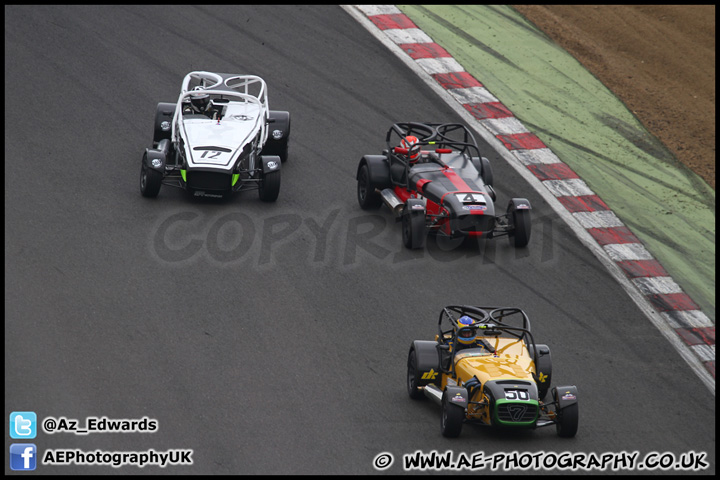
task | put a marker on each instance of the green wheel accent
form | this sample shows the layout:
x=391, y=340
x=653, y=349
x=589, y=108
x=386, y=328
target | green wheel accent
x=235, y=178
x=183, y=173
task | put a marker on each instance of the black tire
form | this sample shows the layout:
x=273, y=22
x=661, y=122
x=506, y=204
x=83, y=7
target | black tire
x=150, y=181
x=283, y=154
x=543, y=390
x=520, y=234
x=451, y=418
x=163, y=113
x=278, y=147
x=487, y=172
x=567, y=420
x=269, y=186
x=413, y=230
x=543, y=370
x=491, y=192
x=368, y=198
x=412, y=383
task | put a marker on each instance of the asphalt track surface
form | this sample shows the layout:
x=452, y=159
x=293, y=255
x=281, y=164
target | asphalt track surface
x=272, y=338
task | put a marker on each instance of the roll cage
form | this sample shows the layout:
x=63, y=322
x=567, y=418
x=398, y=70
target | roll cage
x=239, y=88
x=443, y=137
x=490, y=321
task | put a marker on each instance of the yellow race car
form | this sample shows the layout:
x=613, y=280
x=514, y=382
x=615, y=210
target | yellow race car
x=484, y=367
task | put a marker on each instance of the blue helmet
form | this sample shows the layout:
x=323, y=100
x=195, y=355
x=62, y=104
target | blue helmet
x=467, y=332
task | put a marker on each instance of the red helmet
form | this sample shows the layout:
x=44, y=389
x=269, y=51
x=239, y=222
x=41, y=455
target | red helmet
x=408, y=143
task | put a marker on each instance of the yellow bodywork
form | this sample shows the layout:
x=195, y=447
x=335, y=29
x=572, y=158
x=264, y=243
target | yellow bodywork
x=510, y=361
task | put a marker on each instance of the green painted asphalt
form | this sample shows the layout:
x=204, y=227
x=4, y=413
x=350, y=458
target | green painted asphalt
x=667, y=206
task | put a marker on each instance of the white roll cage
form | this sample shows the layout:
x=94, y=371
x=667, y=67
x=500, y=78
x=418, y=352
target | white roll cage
x=236, y=86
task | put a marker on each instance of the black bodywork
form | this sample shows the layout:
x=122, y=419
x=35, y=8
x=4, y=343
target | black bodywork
x=453, y=181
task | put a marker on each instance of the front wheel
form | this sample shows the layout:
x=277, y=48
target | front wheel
x=451, y=420
x=567, y=420
x=150, y=181
x=269, y=186
x=520, y=234
x=413, y=230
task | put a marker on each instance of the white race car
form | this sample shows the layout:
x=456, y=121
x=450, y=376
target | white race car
x=219, y=137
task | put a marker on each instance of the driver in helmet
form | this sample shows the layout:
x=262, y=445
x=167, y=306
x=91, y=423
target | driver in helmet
x=199, y=103
x=467, y=334
x=407, y=143
x=417, y=155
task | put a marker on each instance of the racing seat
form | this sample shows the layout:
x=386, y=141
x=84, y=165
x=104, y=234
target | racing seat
x=216, y=109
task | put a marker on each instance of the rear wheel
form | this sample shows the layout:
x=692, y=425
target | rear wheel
x=413, y=230
x=543, y=370
x=368, y=198
x=520, y=234
x=487, y=173
x=412, y=384
x=278, y=147
x=150, y=181
x=451, y=419
x=284, y=151
x=163, y=117
x=269, y=186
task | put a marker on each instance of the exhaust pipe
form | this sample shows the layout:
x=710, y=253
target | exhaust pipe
x=433, y=393
x=392, y=201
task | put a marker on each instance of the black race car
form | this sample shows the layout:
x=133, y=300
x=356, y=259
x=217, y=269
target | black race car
x=434, y=179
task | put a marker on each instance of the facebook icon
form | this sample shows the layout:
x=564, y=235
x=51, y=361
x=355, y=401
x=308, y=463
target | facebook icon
x=22, y=456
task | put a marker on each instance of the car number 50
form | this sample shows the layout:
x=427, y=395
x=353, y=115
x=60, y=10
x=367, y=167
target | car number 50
x=516, y=395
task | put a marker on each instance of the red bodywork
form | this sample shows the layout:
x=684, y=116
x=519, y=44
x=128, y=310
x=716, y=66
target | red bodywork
x=439, y=213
